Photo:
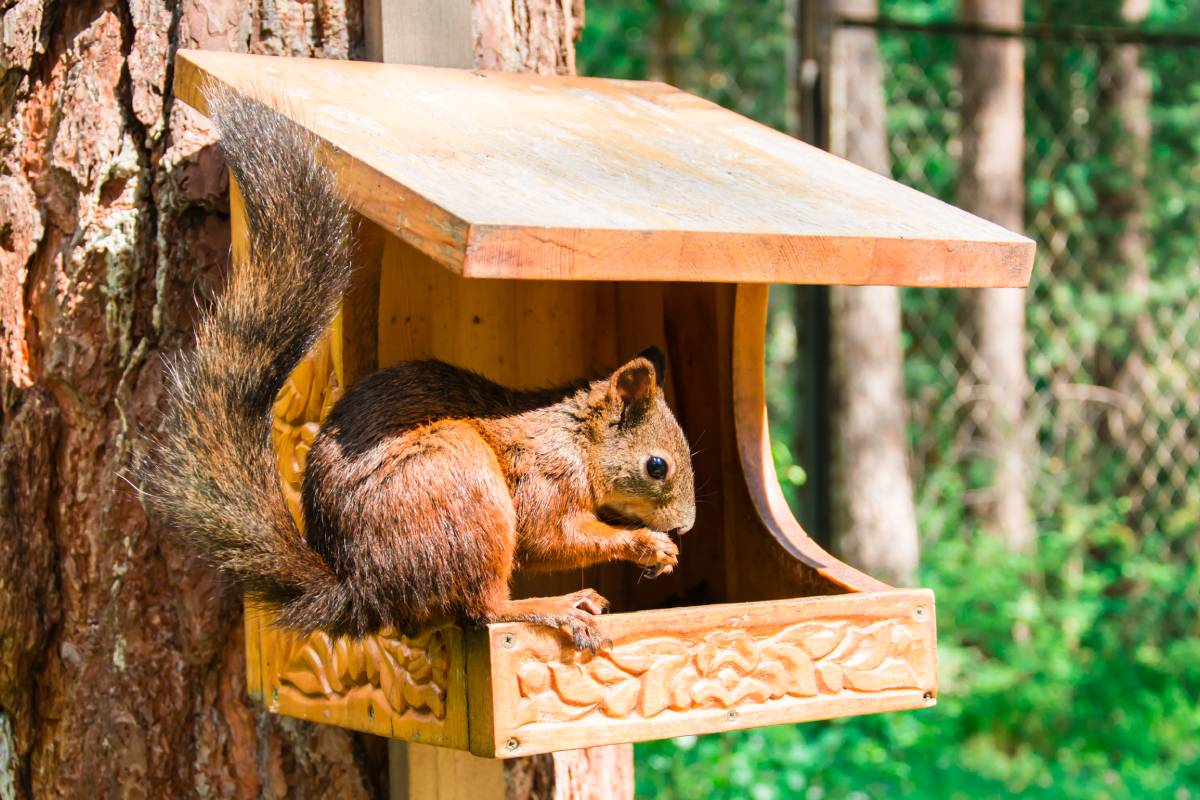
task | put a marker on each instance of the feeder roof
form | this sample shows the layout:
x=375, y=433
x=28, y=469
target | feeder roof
x=502, y=175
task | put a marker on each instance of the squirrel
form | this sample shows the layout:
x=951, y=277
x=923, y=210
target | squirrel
x=427, y=484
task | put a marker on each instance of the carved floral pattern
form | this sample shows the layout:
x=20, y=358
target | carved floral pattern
x=408, y=676
x=411, y=674
x=725, y=668
x=303, y=402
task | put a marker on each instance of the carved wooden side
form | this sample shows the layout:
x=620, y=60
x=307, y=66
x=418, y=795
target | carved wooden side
x=391, y=685
x=303, y=402
x=703, y=670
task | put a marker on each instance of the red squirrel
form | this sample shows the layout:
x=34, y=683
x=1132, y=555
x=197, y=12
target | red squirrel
x=427, y=484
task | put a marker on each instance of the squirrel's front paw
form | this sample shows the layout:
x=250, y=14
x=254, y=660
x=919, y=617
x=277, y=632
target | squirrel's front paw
x=577, y=620
x=654, y=549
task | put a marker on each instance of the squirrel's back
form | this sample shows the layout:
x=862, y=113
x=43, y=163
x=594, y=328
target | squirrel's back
x=212, y=472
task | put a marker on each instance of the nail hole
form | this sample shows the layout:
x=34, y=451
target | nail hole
x=512, y=744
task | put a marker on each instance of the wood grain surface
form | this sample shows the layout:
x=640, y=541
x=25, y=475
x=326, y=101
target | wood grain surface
x=531, y=176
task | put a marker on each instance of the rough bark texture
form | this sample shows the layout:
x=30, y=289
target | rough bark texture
x=874, y=522
x=991, y=184
x=121, y=667
x=527, y=35
x=597, y=773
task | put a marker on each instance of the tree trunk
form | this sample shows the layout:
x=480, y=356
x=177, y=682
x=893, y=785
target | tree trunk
x=667, y=28
x=1125, y=105
x=874, y=522
x=121, y=656
x=122, y=673
x=991, y=184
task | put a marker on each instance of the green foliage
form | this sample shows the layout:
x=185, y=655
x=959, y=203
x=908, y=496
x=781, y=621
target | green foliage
x=733, y=53
x=1070, y=674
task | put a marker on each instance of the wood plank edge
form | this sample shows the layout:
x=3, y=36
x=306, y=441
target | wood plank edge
x=530, y=253
x=482, y=739
x=666, y=619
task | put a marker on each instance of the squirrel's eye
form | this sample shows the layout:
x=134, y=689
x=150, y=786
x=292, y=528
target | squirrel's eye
x=656, y=467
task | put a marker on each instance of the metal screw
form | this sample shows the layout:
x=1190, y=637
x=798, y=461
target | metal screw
x=275, y=695
x=919, y=612
x=370, y=712
x=511, y=745
x=927, y=697
x=731, y=716
x=508, y=641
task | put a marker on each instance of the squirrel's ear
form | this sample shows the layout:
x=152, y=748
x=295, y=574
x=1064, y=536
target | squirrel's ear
x=634, y=384
x=659, y=359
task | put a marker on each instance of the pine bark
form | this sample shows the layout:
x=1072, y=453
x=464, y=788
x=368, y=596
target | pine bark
x=991, y=184
x=121, y=656
x=874, y=520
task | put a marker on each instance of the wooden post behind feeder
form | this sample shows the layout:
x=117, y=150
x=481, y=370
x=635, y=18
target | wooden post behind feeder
x=537, y=229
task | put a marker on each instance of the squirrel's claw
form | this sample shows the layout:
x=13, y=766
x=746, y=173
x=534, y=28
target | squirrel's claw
x=577, y=619
x=583, y=632
x=658, y=553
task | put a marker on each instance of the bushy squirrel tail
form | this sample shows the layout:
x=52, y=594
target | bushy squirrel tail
x=212, y=471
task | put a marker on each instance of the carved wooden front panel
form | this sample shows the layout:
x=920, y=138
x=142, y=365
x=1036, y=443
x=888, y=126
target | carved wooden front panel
x=712, y=668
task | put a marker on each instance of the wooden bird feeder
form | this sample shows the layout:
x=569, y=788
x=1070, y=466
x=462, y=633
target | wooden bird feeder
x=536, y=229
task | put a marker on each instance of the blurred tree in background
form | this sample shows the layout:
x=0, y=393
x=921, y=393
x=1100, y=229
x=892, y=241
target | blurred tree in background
x=1098, y=693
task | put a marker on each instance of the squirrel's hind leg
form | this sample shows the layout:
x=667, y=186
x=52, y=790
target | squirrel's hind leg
x=573, y=613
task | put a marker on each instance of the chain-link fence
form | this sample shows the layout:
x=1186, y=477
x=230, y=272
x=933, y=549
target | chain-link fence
x=1112, y=197
x=1112, y=334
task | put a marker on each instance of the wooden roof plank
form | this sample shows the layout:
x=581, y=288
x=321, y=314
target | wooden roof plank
x=542, y=177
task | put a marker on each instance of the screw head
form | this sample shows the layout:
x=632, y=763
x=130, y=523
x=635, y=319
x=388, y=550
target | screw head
x=927, y=697
x=919, y=612
x=511, y=745
x=732, y=716
x=508, y=641
x=370, y=712
x=275, y=695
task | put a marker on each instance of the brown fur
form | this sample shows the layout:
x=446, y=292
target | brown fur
x=427, y=484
